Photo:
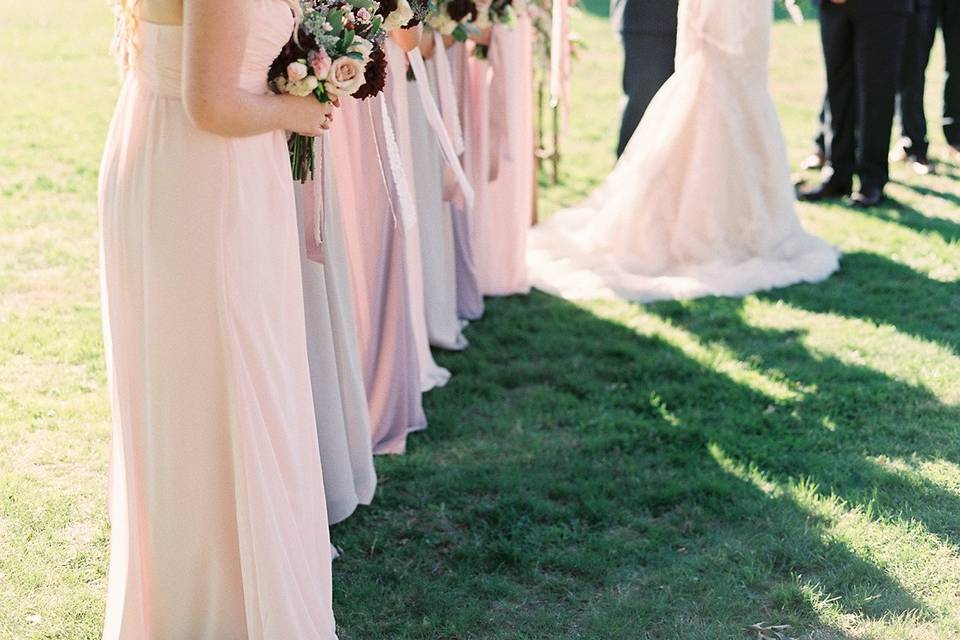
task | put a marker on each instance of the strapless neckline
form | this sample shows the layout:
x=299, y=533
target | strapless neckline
x=159, y=63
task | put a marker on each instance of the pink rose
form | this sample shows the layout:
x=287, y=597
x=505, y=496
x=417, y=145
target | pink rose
x=346, y=76
x=320, y=62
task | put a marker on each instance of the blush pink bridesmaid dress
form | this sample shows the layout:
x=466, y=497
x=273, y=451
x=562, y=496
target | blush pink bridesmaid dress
x=219, y=525
x=375, y=198
x=501, y=223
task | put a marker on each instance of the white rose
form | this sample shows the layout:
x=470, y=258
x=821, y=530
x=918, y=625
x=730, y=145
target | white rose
x=362, y=46
x=303, y=87
x=442, y=23
x=398, y=17
x=296, y=71
x=346, y=76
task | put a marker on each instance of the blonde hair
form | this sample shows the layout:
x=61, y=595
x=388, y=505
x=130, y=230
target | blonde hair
x=126, y=19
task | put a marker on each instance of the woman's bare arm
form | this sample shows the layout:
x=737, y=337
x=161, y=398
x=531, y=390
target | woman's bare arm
x=215, y=33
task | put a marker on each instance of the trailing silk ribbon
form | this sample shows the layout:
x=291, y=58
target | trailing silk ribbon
x=314, y=204
x=560, y=58
x=448, y=96
x=437, y=124
x=449, y=109
x=399, y=110
x=498, y=112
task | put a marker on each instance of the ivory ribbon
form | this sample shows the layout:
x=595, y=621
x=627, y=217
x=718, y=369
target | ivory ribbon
x=437, y=124
x=560, y=58
x=314, y=204
x=448, y=96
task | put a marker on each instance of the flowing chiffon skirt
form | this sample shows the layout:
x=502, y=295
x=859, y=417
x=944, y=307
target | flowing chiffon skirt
x=701, y=203
x=435, y=225
x=501, y=225
x=219, y=526
x=472, y=101
x=432, y=375
x=339, y=397
x=374, y=197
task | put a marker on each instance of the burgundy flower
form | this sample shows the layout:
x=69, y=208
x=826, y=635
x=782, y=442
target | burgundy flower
x=460, y=9
x=375, y=76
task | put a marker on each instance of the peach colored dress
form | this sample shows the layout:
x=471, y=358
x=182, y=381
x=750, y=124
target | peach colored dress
x=374, y=197
x=502, y=221
x=216, y=489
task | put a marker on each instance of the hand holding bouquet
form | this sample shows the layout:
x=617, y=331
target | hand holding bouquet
x=454, y=18
x=337, y=51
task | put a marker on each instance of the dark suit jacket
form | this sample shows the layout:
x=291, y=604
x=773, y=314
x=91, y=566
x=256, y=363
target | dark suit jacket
x=876, y=6
x=645, y=16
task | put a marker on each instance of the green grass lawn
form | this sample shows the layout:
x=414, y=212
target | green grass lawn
x=600, y=471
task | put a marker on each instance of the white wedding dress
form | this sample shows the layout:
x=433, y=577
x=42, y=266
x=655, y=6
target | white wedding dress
x=701, y=203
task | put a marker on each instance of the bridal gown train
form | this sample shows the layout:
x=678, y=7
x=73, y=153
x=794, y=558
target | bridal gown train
x=701, y=203
x=339, y=396
x=219, y=527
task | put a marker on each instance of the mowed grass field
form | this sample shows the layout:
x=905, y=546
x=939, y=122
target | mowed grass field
x=599, y=471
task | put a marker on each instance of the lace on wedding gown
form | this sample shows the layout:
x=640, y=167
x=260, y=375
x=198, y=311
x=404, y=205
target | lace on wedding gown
x=701, y=203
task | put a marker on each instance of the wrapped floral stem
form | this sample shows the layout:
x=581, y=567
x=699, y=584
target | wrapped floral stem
x=336, y=52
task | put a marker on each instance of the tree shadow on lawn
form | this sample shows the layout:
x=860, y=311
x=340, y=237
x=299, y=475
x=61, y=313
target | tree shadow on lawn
x=873, y=288
x=915, y=219
x=579, y=480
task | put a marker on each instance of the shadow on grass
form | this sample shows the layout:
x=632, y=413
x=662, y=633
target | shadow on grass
x=915, y=219
x=580, y=480
x=874, y=288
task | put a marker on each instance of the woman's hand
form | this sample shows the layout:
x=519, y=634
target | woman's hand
x=407, y=39
x=483, y=37
x=309, y=116
x=427, y=45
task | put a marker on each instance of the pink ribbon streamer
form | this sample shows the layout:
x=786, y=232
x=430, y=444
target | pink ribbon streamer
x=437, y=124
x=314, y=203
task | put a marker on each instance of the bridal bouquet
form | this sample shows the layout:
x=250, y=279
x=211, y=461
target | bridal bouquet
x=336, y=52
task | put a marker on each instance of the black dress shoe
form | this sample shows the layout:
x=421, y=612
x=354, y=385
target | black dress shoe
x=827, y=190
x=867, y=197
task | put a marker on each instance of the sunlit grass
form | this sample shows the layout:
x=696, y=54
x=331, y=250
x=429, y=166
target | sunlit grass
x=593, y=471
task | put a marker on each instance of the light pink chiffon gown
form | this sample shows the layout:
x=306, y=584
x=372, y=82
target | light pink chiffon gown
x=506, y=211
x=216, y=490
x=373, y=194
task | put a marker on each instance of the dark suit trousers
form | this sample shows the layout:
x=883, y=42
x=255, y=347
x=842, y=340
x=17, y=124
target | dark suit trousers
x=921, y=33
x=863, y=53
x=648, y=63
x=950, y=25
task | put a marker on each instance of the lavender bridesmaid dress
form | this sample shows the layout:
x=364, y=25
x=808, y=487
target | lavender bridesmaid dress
x=374, y=198
x=472, y=101
x=339, y=396
x=219, y=524
x=500, y=233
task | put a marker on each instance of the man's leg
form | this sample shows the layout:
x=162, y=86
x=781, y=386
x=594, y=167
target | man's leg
x=648, y=63
x=921, y=32
x=950, y=25
x=878, y=50
x=836, y=33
